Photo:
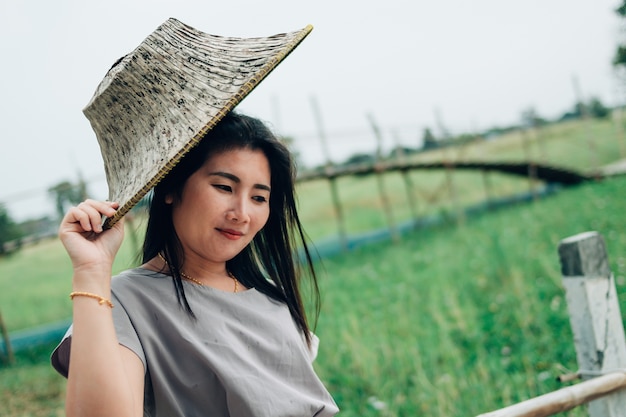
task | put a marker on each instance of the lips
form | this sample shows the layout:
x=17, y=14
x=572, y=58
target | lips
x=230, y=234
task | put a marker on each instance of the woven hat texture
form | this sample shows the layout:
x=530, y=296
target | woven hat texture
x=157, y=102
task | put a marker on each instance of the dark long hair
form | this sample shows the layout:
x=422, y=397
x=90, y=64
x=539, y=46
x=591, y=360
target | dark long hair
x=271, y=263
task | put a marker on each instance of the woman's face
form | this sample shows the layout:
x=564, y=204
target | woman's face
x=223, y=205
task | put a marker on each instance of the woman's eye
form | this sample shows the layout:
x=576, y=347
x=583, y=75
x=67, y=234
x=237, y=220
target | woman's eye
x=259, y=199
x=223, y=187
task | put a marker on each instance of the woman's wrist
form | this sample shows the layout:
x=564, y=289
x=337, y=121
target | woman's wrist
x=101, y=300
x=95, y=279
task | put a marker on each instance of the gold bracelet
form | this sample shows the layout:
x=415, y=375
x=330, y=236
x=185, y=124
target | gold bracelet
x=101, y=300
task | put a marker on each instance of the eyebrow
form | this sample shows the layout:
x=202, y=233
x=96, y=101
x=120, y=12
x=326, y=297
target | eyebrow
x=236, y=179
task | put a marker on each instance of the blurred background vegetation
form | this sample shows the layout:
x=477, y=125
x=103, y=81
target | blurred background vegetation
x=457, y=317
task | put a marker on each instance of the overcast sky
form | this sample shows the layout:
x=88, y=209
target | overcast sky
x=469, y=64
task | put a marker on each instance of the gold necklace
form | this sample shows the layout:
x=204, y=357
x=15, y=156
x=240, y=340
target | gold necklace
x=192, y=279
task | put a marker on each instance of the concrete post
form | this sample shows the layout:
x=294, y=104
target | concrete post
x=594, y=315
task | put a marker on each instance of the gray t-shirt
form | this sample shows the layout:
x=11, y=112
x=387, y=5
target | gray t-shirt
x=243, y=356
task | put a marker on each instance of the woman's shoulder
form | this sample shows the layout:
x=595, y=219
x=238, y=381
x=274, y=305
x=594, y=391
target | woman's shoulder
x=138, y=278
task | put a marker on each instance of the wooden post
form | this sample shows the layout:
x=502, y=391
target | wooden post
x=7, y=342
x=540, y=140
x=408, y=184
x=458, y=212
x=332, y=179
x=532, y=167
x=487, y=183
x=616, y=115
x=381, y=186
x=594, y=315
x=593, y=151
x=449, y=169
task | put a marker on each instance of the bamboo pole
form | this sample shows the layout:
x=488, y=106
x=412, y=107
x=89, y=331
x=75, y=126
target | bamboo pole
x=330, y=175
x=379, y=180
x=565, y=398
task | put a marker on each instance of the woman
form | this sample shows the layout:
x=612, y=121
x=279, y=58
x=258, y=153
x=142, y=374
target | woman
x=212, y=323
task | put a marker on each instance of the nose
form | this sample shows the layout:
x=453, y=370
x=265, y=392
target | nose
x=239, y=211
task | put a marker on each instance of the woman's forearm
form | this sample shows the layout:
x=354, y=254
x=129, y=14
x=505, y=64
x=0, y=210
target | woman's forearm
x=102, y=380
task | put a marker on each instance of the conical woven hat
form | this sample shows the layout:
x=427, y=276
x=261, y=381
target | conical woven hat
x=158, y=102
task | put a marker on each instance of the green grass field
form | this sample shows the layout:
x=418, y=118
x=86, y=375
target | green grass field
x=453, y=320
x=456, y=321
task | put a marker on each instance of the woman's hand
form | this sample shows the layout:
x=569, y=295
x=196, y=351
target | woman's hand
x=86, y=243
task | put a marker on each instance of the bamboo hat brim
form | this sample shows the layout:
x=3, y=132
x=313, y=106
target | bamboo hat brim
x=159, y=101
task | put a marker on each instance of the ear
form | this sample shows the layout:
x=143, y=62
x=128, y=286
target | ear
x=169, y=199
